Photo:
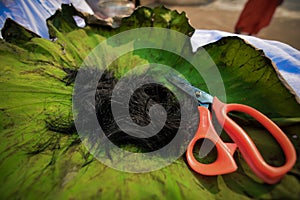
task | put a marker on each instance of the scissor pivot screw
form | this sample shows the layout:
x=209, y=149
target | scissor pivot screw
x=198, y=94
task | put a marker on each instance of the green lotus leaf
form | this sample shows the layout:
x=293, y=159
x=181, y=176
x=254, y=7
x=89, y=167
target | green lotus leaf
x=41, y=155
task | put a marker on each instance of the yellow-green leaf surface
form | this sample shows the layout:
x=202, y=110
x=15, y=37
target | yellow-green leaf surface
x=40, y=162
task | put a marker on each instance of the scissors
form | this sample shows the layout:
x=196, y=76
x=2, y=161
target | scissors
x=224, y=162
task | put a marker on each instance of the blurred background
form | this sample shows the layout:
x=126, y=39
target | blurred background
x=223, y=15
x=203, y=14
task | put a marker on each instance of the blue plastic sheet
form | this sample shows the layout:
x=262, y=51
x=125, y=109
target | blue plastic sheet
x=32, y=14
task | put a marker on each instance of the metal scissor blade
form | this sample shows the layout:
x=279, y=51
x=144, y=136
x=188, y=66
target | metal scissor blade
x=202, y=97
x=181, y=84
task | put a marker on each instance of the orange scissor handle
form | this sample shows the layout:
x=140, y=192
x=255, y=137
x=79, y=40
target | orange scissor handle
x=224, y=162
x=267, y=173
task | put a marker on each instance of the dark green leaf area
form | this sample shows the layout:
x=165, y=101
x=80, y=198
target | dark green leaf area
x=157, y=17
x=205, y=157
x=250, y=78
x=14, y=33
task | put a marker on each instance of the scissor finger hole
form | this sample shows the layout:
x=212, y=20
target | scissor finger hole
x=266, y=144
x=205, y=151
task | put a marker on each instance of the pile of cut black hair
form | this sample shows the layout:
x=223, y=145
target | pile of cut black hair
x=140, y=103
